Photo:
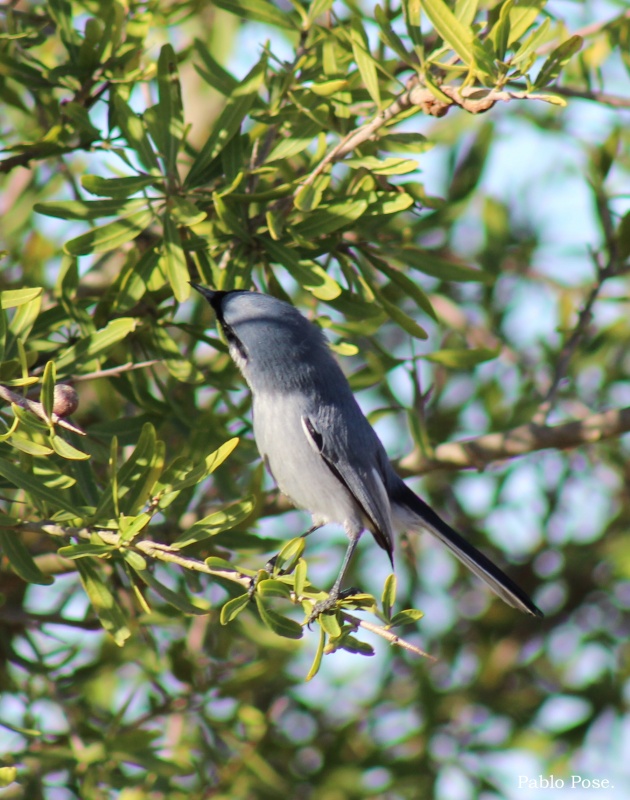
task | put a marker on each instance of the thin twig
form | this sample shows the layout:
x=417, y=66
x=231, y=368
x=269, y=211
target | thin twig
x=384, y=633
x=113, y=371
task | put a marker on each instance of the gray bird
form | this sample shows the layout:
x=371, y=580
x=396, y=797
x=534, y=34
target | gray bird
x=317, y=444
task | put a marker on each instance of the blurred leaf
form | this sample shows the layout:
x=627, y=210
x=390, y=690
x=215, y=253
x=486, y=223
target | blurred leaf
x=330, y=218
x=319, y=653
x=110, y=236
x=10, y=298
x=364, y=61
x=228, y=122
x=21, y=560
x=259, y=11
x=557, y=60
x=406, y=617
x=282, y=626
x=214, y=523
x=308, y=273
x=95, y=345
x=118, y=188
x=133, y=129
x=174, y=260
x=463, y=359
x=178, y=600
x=36, y=488
x=110, y=614
x=388, y=598
x=66, y=450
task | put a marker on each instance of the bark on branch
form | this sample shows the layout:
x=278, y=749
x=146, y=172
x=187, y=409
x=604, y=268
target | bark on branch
x=478, y=453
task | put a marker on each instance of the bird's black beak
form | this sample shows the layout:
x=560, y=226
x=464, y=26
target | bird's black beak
x=209, y=294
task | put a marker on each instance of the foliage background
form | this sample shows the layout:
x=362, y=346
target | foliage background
x=510, y=249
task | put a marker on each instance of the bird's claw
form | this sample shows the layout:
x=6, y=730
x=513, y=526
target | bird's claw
x=329, y=603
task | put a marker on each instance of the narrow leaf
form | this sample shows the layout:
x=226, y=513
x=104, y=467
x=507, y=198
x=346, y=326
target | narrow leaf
x=455, y=34
x=110, y=614
x=111, y=236
x=95, y=345
x=20, y=558
x=178, y=600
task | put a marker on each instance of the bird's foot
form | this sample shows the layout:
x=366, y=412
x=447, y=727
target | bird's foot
x=329, y=603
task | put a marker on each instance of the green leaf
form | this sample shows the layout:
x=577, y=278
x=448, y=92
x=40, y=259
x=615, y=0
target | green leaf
x=170, y=110
x=174, y=260
x=302, y=135
x=430, y=264
x=134, y=131
x=557, y=60
x=409, y=287
x=532, y=43
x=454, y=33
x=214, y=74
x=10, y=298
x=330, y=218
x=35, y=488
x=195, y=605
x=47, y=398
x=20, y=558
x=364, y=61
x=282, y=626
x=259, y=11
x=309, y=196
x=95, y=345
x=90, y=209
x=111, y=236
x=273, y=588
x=383, y=166
x=233, y=608
x=179, y=475
x=228, y=122
x=110, y=614
x=406, y=617
x=66, y=450
x=299, y=577
x=308, y=273
x=215, y=523
x=74, y=551
x=319, y=654
x=392, y=310
x=118, y=188
x=523, y=16
x=466, y=10
x=391, y=39
x=500, y=33
x=388, y=598
x=462, y=359
x=330, y=624
x=9, y=775
x=288, y=557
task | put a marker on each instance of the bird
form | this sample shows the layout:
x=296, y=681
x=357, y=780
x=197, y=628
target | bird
x=317, y=444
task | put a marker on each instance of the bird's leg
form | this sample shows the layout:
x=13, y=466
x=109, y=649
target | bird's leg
x=335, y=593
x=269, y=566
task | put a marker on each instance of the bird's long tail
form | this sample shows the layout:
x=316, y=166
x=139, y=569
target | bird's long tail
x=415, y=513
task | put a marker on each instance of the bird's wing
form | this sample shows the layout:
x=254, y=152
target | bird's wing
x=361, y=476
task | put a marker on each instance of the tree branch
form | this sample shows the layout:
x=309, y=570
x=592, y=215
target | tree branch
x=170, y=554
x=478, y=453
x=474, y=99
